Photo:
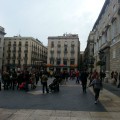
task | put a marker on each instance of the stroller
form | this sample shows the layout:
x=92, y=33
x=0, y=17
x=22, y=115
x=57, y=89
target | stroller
x=54, y=86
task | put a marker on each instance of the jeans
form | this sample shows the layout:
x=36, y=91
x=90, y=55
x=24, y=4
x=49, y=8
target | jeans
x=97, y=91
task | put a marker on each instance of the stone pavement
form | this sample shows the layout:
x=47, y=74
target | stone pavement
x=109, y=101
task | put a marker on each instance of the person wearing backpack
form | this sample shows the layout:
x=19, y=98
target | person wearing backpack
x=97, y=83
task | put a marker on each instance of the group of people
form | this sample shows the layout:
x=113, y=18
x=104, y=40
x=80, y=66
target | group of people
x=19, y=79
x=22, y=79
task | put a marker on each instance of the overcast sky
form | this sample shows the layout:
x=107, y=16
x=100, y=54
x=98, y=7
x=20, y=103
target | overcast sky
x=43, y=18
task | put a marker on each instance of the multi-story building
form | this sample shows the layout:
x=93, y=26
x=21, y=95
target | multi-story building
x=107, y=37
x=2, y=33
x=81, y=66
x=24, y=52
x=63, y=52
x=89, y=53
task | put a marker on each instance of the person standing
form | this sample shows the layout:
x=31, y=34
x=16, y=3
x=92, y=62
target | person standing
x=83, y=78
x=44, y=80
x=97, y=83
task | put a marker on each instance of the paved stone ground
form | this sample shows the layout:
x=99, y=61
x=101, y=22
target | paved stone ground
x=69, y=104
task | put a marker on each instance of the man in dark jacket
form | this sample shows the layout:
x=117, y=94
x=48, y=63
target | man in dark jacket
x=83, y=78
x=44, y=80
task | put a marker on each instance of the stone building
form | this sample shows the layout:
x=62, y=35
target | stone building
x=107, y=37
x=63, y=52
x=89, y=53
x=2, y=33
x=24, y=53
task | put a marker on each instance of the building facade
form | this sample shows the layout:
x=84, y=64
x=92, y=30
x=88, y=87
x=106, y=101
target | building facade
x=63, y=52
x=2, y=33
x=89, y=53
x=24, y=53
x=107, y=37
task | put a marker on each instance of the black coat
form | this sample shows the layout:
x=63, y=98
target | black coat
x=83, y=77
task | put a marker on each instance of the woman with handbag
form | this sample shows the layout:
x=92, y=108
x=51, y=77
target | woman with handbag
x=97, y=83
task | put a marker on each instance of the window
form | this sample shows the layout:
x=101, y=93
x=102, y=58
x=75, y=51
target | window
x=13, y=61
x=58, y=62
x=65, y=49
x=52, y=44
x=65, y=62
x=19, y=62
x=58, y=55
x=72, y=62
x=8, y=61
x=65, y=43
x=65, y=55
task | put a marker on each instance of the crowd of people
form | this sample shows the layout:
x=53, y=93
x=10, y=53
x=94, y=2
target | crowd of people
x=21, y=80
